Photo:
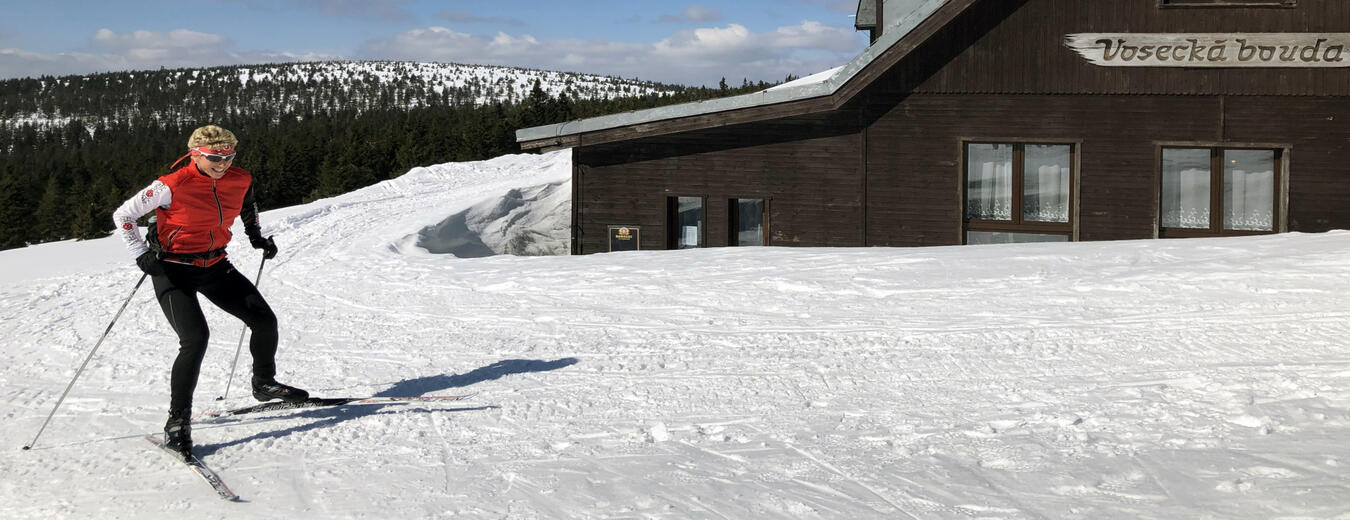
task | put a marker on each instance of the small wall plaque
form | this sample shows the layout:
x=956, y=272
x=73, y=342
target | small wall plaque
x=624, y=238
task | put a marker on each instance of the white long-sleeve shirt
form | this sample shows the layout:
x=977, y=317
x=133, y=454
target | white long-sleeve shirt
x=156, y=195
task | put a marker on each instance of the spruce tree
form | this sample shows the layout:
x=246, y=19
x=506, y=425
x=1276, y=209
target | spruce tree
x=14, y=212
x=302, y=138
x=52, y=218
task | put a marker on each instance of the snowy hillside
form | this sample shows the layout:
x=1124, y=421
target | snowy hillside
x=1141, y=379
x=487, y=83
x=188, y=94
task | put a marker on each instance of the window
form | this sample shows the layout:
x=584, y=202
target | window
x=997, y=237
x=686, y=222
x=1228, y=3
x=1219, y=191
x=748, y=218
x=1019, y=192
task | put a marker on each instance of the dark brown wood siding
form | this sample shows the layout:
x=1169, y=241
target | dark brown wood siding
x=1319, y=158
x=1016, y=46
x=1001, y=72
x=885, y=168
x=808, y=167
x=915, y=152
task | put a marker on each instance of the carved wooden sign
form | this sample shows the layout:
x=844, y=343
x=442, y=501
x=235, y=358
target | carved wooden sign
x=1212, y=49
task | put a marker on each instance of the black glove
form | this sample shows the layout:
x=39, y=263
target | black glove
x=267, y=245
x=150, y=264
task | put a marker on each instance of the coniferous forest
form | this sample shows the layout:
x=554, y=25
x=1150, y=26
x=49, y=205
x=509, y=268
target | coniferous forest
x=73, y=148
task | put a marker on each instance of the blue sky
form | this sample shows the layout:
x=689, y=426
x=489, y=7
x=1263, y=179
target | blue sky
x=692, y=43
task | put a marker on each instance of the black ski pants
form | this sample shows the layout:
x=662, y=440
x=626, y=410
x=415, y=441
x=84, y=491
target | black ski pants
x=233, y=293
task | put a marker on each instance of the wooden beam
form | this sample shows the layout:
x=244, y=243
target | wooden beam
x=551, y=143
x=702, y=121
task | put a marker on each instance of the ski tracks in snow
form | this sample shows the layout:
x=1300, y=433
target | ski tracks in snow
x=1163, y=379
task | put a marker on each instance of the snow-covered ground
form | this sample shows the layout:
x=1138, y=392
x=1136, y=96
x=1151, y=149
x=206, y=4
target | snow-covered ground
x=1140, y=379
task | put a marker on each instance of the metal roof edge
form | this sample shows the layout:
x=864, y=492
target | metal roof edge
x=893, y=34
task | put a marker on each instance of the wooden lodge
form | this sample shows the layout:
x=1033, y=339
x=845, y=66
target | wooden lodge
x=995, y=121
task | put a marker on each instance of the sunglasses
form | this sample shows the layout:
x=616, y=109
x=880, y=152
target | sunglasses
x=218, y=158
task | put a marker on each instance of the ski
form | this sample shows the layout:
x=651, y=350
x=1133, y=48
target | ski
x=198, y=467
x=319, y=402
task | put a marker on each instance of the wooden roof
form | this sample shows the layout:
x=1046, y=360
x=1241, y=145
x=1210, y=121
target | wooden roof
x=899, y=39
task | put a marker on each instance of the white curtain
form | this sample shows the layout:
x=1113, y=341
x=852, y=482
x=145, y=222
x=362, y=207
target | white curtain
x=1045, y=195
x=1249, y=190
x=1185, y=190
x=989, y=181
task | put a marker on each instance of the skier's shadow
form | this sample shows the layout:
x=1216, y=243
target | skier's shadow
x=328, y=417
x=506, y=367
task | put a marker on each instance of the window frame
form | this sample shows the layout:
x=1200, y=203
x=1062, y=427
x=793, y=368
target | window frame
x=1192, y=4
x=1018, y=224
x=673, y=221
x=733, y=220
x=1280, y=185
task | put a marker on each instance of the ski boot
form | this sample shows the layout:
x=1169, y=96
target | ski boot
x=269, y=389
x=178, y=432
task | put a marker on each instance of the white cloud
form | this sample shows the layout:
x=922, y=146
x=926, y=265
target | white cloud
x=16, y=63
x=813, y=35
x=506, y=45
x=440, y=43
x=110, y=51
x=692, y=57
x=434, y=43
x=179, y=47
x=700, y=56
x=174, y=38
x=719, y=41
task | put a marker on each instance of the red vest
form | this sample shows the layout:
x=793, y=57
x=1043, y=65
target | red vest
x=200, y=211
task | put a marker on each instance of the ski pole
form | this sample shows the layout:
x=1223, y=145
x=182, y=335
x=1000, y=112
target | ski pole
x=86, y=361
x=239, y=348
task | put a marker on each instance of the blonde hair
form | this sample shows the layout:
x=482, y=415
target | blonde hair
x=213, y=137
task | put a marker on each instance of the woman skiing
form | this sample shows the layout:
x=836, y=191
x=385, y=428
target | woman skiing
x=185, y=255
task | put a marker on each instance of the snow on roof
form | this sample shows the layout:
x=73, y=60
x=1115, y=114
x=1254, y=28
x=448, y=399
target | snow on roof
x=794, y=91
x=818, y=77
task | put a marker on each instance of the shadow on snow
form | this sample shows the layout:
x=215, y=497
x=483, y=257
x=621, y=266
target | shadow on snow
x=419, y=386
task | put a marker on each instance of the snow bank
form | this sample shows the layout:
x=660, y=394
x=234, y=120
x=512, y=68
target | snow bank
x=528, y=222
